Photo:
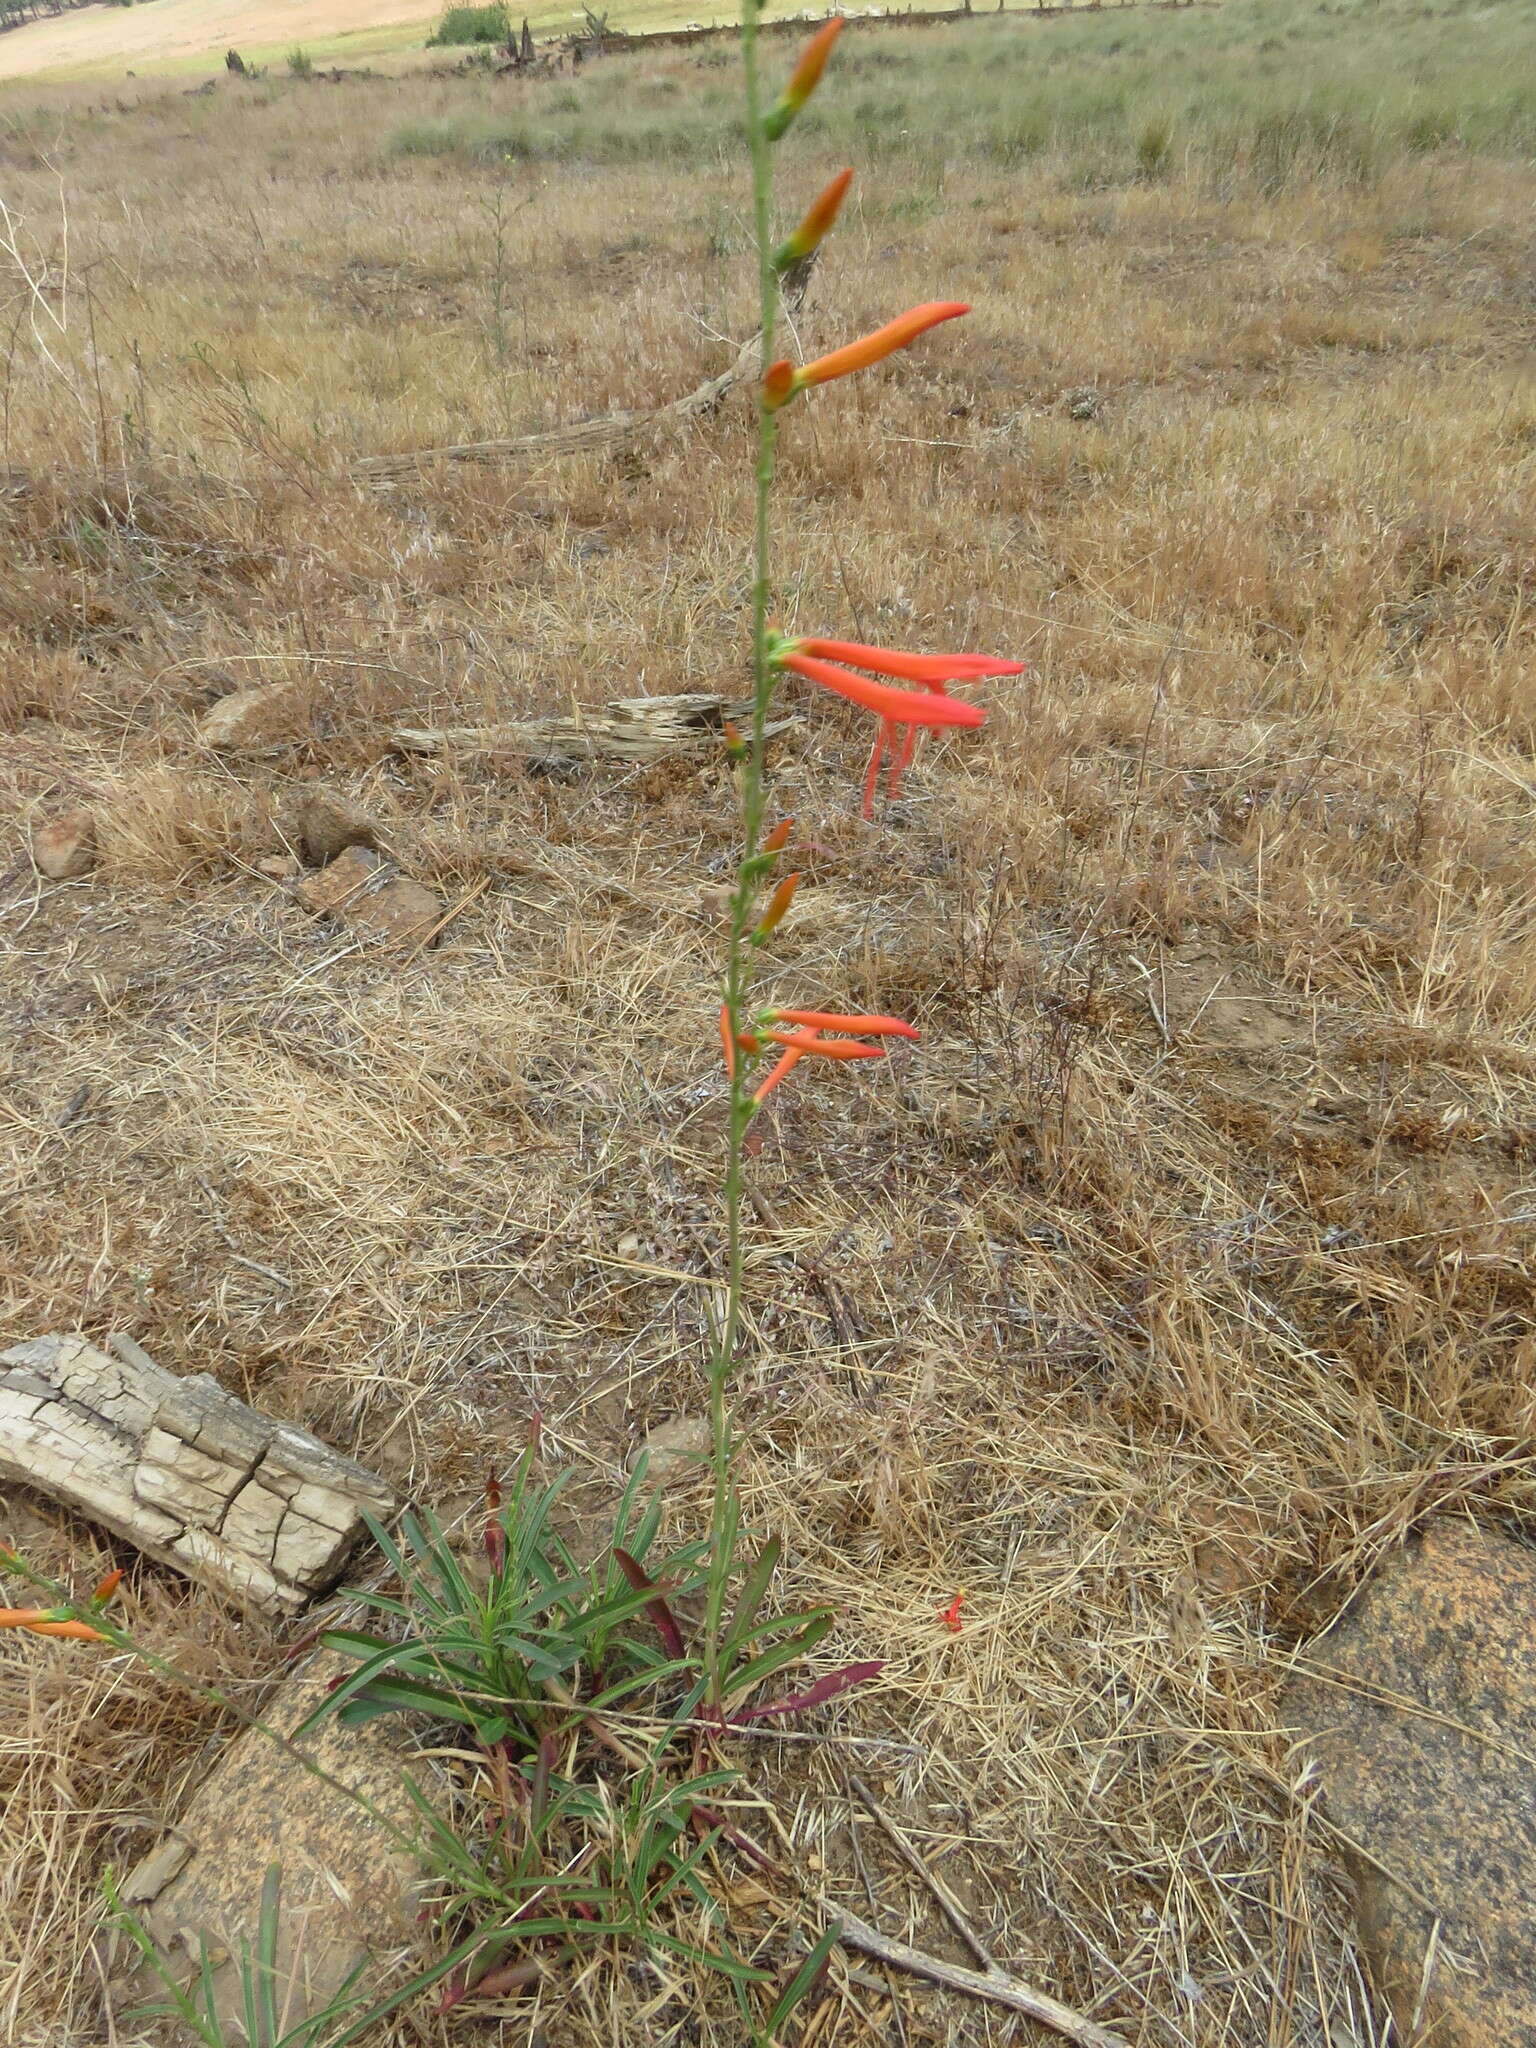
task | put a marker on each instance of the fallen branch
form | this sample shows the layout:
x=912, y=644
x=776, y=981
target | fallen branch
x=947, y=1903
x=628, y=728
x=612, y=430
x=830, y=1290
x=996, y=1986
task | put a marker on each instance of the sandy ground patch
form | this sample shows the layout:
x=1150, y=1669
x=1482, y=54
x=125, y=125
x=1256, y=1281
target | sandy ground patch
x=160, y=32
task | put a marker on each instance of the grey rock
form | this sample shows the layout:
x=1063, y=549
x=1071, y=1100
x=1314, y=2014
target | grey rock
x=1425, y=1740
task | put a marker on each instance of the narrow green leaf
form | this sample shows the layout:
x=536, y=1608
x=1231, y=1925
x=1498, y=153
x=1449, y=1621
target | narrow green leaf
x=753, y=1590
x=777, y=1624
x=800, y=1984
x=263, y=1965
x=719, y=1960
x=752, y=1674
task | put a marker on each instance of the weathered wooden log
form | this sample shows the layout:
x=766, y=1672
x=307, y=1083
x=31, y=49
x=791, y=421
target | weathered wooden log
x=191, y=1476
x=626, y=729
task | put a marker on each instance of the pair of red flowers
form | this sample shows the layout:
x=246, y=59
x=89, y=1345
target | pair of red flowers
x=805, y=1036
x=901, y=712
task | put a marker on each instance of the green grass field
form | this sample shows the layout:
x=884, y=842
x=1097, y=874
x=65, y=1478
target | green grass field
x=1267, y=90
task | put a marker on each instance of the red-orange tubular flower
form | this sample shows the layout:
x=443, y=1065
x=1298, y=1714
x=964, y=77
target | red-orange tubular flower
x=778, y=838
x=836, y=1020
x=803, y=80
x=896, y=707
x=806, y=1039
x=929, y=669
x=826, y=1048
x=46, y=1621
x=816, y=225
x=783, y=1066
x=782, y=381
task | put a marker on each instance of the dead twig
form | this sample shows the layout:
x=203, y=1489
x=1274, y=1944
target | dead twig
x=626, y=729
x=947, y=1904
x=997, y=1987
x=471, y=894
x=611, y=430
x=847, y=1329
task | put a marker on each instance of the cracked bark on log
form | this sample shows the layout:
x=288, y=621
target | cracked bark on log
x=626, y=729
x=251, y=1507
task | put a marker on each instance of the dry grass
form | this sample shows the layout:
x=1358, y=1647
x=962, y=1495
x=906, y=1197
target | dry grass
x=1185, y=1260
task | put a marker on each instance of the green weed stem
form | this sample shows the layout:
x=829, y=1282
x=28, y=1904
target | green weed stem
x=740, y=951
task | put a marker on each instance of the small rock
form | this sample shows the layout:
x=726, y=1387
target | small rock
x=325, y=825
x=362, y=889
x=1437, y=1790
x=676, y=1452
x=276, y=867
x=65, y=848
x=259, y=721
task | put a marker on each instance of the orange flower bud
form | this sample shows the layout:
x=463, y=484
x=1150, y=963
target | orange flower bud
x=778, y=838
x=778, y=903
x=106, y=1589
x=727, y=1042
x=816, y=225
x=803, y=80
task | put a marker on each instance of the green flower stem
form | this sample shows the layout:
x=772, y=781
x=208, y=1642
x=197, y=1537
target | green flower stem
x=739, y=962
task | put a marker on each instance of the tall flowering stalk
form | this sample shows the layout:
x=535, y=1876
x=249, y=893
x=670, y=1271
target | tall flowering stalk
x=788, y=1037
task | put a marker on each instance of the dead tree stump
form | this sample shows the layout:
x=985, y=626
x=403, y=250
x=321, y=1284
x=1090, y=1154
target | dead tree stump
x=184, y=1471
